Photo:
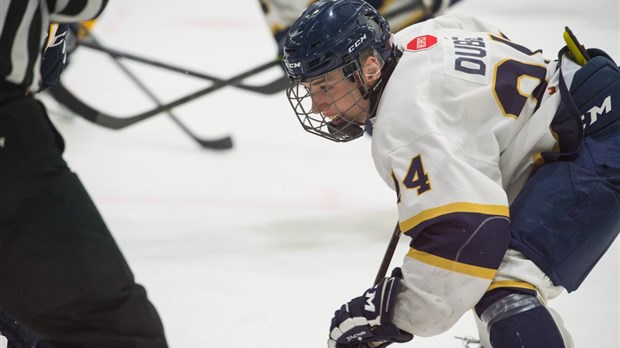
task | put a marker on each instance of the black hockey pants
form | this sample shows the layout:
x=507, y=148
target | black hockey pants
x=61, y=273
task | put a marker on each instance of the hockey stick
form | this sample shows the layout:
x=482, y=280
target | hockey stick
x=578, y=51
x=273, y=87
x=216, y=144
x=65, y=97
x=389, y=253
x=278, y=85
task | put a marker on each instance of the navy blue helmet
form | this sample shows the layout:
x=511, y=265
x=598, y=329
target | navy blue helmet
x=332, y=33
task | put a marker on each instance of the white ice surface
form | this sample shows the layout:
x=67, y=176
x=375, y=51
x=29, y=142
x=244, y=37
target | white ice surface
x=257, y=246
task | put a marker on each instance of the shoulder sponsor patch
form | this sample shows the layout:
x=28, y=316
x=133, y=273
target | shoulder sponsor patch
x=423, y=42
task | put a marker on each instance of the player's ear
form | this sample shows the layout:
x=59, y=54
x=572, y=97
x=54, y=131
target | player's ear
x=372, y=69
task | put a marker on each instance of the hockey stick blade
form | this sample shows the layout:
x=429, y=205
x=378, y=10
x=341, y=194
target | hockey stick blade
x=216, y=144
x=69, y=100
x=63, y=96
x=273, y=87
x=223, y=143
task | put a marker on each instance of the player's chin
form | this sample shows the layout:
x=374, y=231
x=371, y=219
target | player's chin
x=357, y=119
x=341, y=119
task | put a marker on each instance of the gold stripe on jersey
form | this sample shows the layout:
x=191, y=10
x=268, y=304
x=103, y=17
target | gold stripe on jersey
x=440, y=262
x=511, y=284
x=538, y=159
x=460, y=207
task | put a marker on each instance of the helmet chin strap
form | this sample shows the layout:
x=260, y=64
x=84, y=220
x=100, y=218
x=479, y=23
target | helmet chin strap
x=352, y=72
x=360, y=84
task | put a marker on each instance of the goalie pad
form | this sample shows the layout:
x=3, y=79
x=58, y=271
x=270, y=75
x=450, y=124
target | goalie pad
x=568, y=213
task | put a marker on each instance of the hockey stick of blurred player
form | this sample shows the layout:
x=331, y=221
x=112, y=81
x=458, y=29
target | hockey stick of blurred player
x=273, y=87
x=216, y=144
x=223, y=143
x=64, y=96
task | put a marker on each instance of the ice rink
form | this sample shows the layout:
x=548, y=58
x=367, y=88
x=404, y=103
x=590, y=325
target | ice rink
x=257, y=246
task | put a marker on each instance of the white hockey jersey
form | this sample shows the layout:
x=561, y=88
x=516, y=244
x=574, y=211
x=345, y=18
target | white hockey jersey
x=460, y=125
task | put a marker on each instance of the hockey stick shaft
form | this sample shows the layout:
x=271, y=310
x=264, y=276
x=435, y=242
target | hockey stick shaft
x=389, y=253
x=216, y=144
x=74, y=104
x=273, y=87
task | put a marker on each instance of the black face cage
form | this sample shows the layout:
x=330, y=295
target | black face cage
x=335, y=128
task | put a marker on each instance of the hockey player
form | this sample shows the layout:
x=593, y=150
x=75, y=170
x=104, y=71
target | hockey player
x=61, y=273
x=504, y=166
x=280, y=14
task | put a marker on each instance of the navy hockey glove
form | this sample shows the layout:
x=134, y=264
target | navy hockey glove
x=54, y=55
x=366, y=321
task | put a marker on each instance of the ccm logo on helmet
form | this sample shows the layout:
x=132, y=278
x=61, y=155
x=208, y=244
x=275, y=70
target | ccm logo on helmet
x=357, y=43
x=293, y=65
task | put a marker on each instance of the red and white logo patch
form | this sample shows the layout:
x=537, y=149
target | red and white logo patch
x=422, y=43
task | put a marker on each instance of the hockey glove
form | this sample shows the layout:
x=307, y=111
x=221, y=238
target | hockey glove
x=366, y=321
x=54, y=55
